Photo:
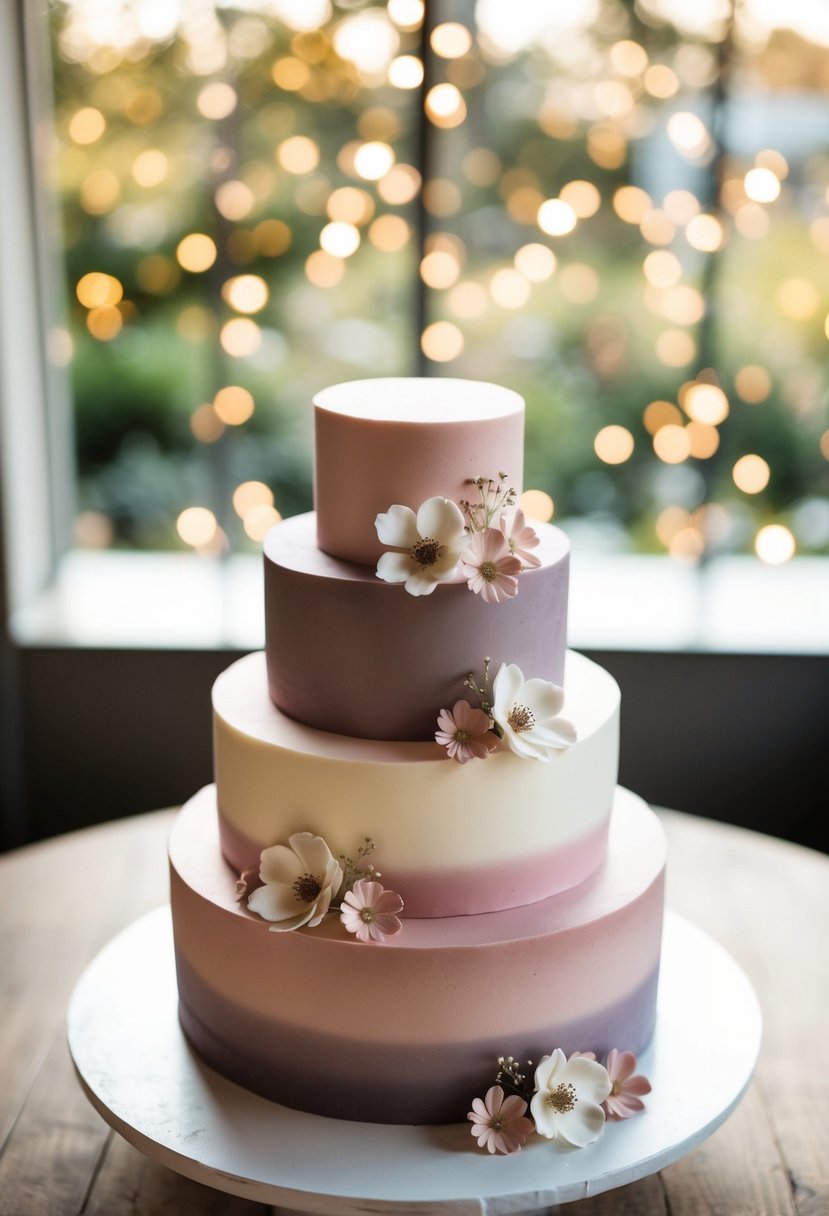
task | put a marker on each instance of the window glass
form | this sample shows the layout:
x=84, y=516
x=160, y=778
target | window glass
x=621, y=211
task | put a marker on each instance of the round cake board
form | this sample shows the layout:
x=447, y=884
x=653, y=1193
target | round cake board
x=142, y=1076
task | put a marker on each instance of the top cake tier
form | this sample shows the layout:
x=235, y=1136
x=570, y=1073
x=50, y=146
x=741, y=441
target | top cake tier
x=386, y=441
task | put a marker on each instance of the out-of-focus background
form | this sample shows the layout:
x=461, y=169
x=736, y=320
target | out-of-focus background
x=212, y=210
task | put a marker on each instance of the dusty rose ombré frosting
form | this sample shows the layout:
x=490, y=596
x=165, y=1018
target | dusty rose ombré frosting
x=350, y=653
x=396, y=440
x=404, y=1031
x=458, y=838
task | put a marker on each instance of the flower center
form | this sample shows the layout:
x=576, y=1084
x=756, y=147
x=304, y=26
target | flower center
x=368, y=915
x=521, y=718
x=496, y=1123
x=562, y=1098
x=488, y=571
x=425, y=551
x=462, y=736
x=306, y=888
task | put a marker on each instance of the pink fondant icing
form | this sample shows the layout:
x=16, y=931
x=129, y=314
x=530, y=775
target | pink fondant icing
x=386, y=441
x=351, y=654
x=312, y=1012
x=386, y=1083
x=462, y=892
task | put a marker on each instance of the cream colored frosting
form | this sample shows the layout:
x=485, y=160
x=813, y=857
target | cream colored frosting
x=427, y=814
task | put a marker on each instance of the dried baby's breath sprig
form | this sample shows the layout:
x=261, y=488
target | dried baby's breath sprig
x=493, y=497
x=481, y=690
x=512, y=1079
x=357, y=867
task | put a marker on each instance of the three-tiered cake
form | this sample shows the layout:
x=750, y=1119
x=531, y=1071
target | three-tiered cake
x=532, y=886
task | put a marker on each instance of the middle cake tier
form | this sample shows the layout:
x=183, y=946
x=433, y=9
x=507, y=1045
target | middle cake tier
x=459, y=839
x=352, y=654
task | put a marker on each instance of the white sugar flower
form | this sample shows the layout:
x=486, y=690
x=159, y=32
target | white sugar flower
x=567, y=1104
x=426, y=546
x=299, y=882
x=526, y=711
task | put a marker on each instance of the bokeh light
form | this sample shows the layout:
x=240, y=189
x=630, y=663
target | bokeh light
x=441, y=341
x=774, y=544
x=613, y=444
x=240, y=337
x=445, y=105
x=556, y=217
x=450, y=40
x=538, y=505
x=705, y=403
x=298, y=154
x=672, y=444
x=196, y=252
x=373, y=160
x=250, y=494
x=340, y=239
x=233, y=405
x=751, y=474
x=196, y=526
x=246, y=293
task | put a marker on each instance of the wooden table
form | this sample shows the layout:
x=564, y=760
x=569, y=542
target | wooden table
x=62, y=900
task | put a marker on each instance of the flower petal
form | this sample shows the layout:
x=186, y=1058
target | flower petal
x=557, y=733
x=544, y=698
x=279, y=864
x=397, y=527
x=506, y=687
x=387, y=902
x=275, y=901
x=312, y=851
x=470, y=719
x=420, y=582
x=513, y=1107
x=445, y=565
x=525, y=746
x=549, y=1068
x=589, y=1077
x=636, y=1085
x=386, y=926
x=581, y=1125
x=394, y=567
x=620, y=1064
x=442, y=520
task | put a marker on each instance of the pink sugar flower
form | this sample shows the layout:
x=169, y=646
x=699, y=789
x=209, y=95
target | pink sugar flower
x=465, y=732
x=625, y=1097
x=520, y=536
x=489, y=567
x=498, y=1122
x=368, y=910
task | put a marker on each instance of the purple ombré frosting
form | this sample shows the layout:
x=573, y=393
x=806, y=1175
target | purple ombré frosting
x=351, y=654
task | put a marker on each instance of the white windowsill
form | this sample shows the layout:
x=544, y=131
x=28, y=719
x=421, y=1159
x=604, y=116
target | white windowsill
x=617, y=602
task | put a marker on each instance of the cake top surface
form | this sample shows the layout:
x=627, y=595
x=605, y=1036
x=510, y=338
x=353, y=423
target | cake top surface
x=419, y=399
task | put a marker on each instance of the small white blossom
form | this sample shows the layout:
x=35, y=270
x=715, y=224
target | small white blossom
x=300, y=880
x=567, y=1104
x=426, y=546
x=527, y=713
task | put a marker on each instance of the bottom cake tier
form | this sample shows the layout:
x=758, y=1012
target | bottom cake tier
x=409, y=1030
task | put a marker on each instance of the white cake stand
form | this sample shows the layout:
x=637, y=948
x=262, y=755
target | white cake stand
x=141, y=1075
